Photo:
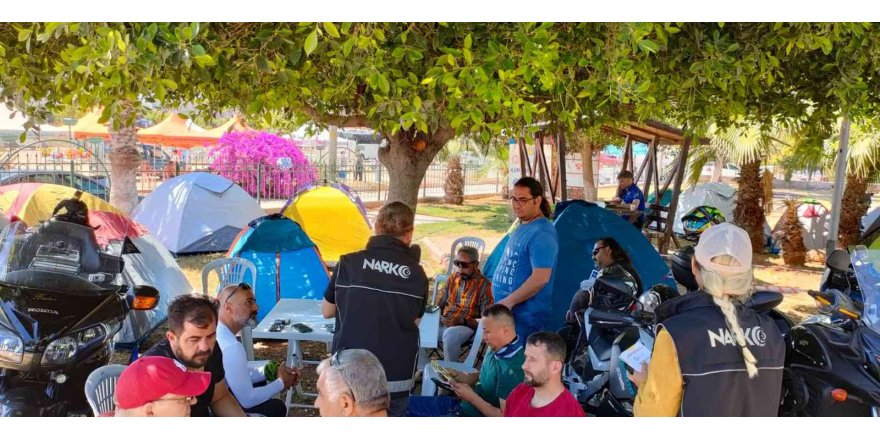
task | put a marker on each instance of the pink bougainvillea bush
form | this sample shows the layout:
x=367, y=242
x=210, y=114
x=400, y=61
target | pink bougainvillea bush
x=283, y=169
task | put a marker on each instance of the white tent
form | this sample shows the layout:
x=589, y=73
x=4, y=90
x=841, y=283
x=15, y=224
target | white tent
x=152, y=266
x=14, y=125
x=716, y=195
x=197, y=212
x=816, y=220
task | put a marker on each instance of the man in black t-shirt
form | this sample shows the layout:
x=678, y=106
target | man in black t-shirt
x=192, y=340
x=378, y=296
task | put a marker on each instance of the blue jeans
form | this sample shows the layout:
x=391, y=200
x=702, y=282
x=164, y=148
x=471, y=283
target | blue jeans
x=434, y=406
x=526, y=324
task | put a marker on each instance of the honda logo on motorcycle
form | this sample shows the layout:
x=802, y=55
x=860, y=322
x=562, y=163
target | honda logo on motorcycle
x=388, y=268
x=753, y=336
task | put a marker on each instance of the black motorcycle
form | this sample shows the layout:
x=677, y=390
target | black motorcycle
x=597, y=377
x=833, y=358
x=62, y=300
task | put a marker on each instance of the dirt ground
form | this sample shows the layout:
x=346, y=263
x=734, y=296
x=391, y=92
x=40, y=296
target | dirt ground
x=488, y=219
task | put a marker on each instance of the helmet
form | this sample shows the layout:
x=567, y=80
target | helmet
x=699, y=219
x=656, y=295
x=617, y=282
x=681, y=268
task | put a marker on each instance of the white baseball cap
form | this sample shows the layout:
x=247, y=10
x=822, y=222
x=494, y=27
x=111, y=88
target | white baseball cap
x=724, y=239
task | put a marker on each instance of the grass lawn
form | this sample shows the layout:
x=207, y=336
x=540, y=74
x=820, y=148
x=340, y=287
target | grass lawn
x=475, y=217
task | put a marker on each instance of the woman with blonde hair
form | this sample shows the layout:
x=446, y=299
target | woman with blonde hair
x=712, y=356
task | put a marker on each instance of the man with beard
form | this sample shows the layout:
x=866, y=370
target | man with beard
x=237, y=308
x=543, y=394
x=191, y=340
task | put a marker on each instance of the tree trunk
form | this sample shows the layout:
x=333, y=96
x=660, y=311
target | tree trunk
x=717, y=170
x=125, y=158
x=749, y=211
x=407, y=165
x=794, y=252
x=590, y=193
x=454, y=187
x=854, y=206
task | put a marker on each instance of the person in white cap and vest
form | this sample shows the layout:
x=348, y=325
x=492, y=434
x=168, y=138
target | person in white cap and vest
x=713, y=356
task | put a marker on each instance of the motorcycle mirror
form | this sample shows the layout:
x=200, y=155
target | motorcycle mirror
x=839, y=260
x=145, y=298
x=764, y=301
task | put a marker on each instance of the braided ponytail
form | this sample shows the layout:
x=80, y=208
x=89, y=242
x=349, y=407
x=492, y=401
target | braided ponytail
x=722, y=289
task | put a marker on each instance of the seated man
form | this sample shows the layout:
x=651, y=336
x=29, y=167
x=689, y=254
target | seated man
x=629, y=193
x=155, y=386
x=482, y=393
x=543, y=394
x=619, y=288
x=467, y=294
x=352, y=383
x=237, y=308
x=192, y=341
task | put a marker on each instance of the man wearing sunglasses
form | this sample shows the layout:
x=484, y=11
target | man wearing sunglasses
x=237, y=308
x=466, y=295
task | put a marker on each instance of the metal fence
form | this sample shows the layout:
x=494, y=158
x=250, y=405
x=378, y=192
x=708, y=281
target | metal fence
x=271, y=183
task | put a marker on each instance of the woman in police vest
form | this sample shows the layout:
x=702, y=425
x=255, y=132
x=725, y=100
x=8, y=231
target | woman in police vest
x=712, y=356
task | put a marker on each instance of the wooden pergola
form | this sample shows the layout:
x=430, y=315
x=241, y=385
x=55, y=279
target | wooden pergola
x=653, y=134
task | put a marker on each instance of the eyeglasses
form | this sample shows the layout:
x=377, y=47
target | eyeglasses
x=521, y=202
x=189, y=399
x=245, y=286
x=334, y=362
x=462, y=264
x=596, y=251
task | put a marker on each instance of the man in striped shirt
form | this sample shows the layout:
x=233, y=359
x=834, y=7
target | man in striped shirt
x=467, y=294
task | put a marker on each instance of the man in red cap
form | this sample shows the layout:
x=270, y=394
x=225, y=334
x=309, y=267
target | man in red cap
x=156, y=386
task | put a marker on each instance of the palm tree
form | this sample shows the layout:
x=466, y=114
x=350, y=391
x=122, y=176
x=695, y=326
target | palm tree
x=862, y=167
x=746, y=146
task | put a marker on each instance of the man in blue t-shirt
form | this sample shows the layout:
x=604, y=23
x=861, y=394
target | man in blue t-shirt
x=523, y=280
x=629, y=193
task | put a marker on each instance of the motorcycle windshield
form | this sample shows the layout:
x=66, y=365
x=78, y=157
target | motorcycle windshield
x=866, y=264
x=58, y=256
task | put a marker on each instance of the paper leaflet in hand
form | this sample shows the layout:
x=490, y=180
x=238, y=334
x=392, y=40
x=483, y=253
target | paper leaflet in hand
x=636, y=355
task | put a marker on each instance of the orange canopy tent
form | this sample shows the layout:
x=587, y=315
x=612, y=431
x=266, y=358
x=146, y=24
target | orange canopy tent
x=174, y=131
x=88, y=127
x=236, y=124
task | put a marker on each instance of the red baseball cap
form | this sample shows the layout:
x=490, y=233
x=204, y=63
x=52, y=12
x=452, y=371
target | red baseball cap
x=149, y=378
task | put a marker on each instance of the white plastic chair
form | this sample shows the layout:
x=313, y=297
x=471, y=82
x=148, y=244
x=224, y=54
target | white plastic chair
x=231, y=271
x=428, y=386
x=474, y=242
x=438, y=280
x=101, y=386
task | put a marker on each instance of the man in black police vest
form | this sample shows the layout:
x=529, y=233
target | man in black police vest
x=713, y=356
x=378, y=296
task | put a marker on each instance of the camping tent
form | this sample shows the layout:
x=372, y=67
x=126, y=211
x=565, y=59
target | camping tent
x=197, y=212
x=333, y=216
x=13, y=125
x=152, y=265
x=288, y=263
x=716, y=195
x=816, y=220
x=579, y=225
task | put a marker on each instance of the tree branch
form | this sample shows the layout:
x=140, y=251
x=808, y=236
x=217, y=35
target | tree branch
x=351, y=121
